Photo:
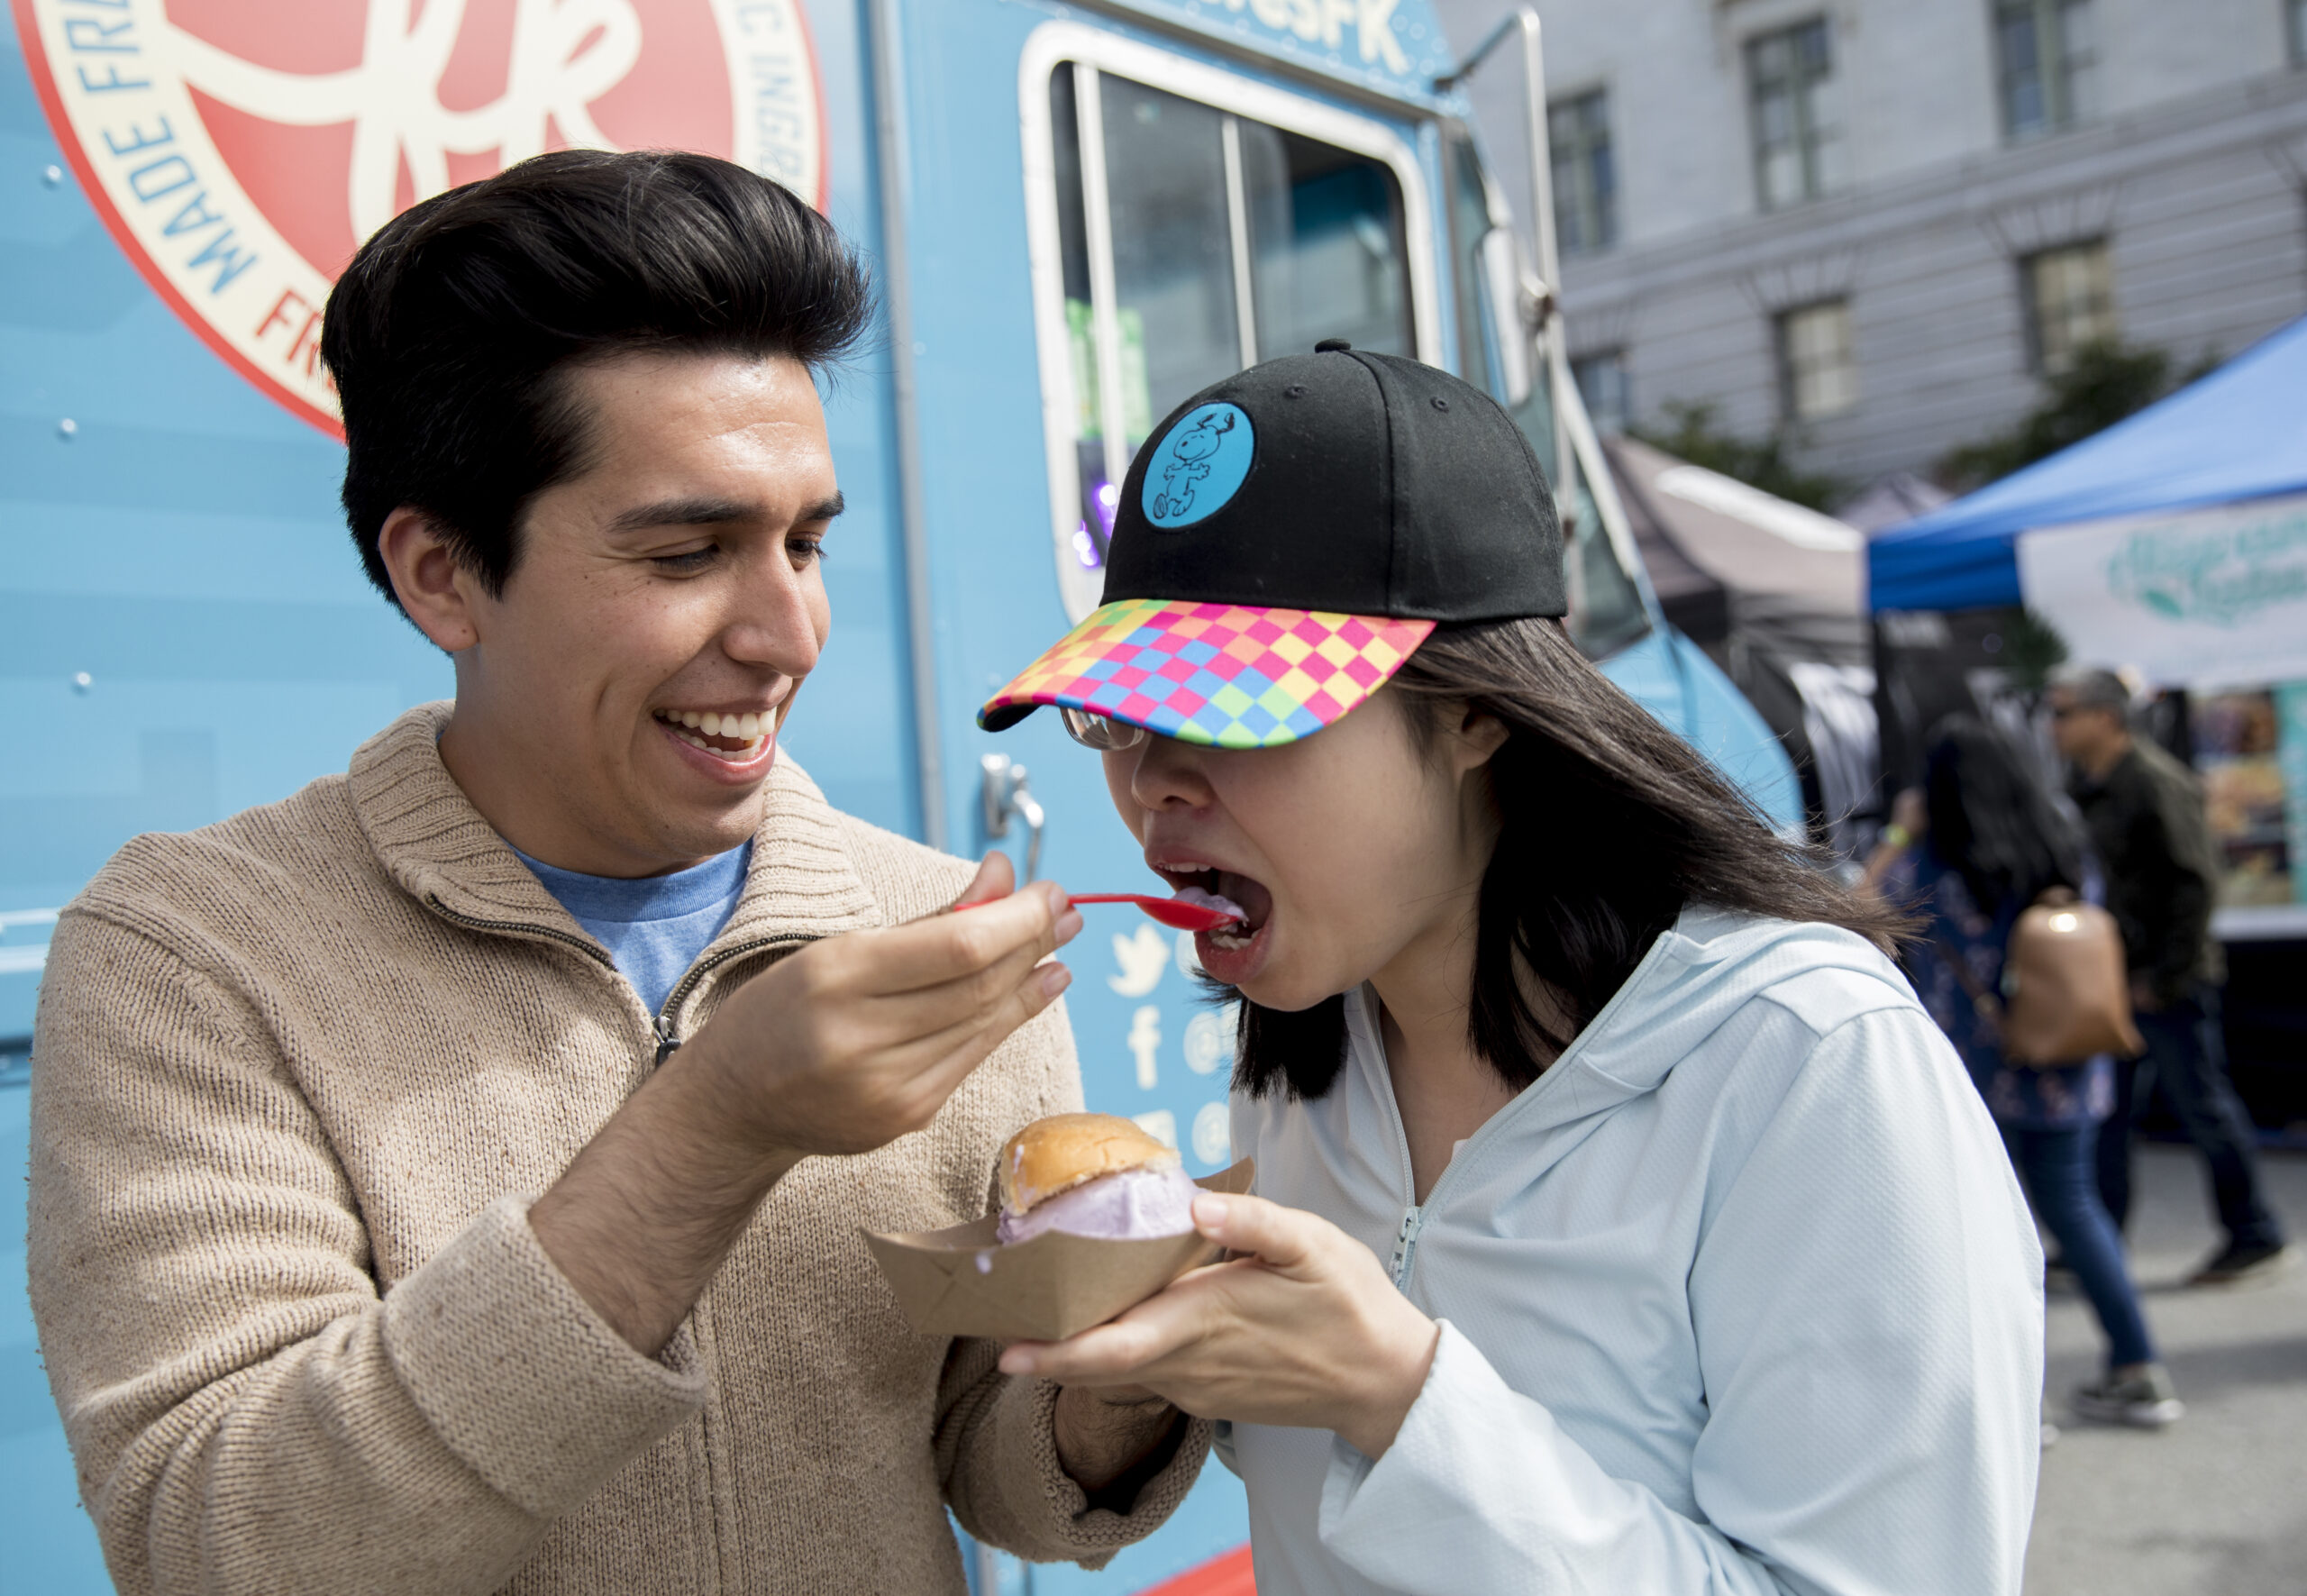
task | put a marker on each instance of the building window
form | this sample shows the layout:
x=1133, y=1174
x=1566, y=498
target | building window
x=2295, y=18
x=1817, y=365
x=1602, y=386
x=1585, y=182
x=2049, y=56
x=2070, y=301
x=1797, y=121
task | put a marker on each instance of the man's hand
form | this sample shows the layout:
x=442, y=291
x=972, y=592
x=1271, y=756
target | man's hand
x=1101, y=1435
x=840, y=1048
x=852, y=1042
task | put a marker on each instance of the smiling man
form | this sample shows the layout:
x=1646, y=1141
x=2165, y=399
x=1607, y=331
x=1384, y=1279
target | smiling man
x=449, y=1179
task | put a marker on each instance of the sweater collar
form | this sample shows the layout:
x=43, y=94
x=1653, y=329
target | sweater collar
x=441, y=851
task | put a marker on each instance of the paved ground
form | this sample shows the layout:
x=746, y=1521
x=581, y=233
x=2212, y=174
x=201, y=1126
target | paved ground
x=2217, y=1504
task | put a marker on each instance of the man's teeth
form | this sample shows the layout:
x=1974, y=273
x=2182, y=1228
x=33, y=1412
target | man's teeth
x=747, y=752
x=750, y=730
x=747, y=726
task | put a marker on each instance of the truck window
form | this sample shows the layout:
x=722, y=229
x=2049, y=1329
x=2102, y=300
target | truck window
x=1325, y=235
x=1606, y=609
x=1192, y=240
x=1471, y=220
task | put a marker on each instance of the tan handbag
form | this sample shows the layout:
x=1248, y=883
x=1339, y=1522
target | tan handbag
x=2067, y=991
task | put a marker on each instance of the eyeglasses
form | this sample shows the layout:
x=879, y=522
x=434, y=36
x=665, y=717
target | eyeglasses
x=1102, y=733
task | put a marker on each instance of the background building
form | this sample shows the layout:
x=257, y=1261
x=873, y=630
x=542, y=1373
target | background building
x=1871, y=225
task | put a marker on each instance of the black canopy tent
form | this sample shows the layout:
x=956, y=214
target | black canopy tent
x=1775, y=594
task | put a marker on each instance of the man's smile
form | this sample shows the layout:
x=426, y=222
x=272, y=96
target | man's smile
x=737, y=738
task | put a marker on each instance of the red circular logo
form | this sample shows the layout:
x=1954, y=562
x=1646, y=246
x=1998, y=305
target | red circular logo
x=240, y=150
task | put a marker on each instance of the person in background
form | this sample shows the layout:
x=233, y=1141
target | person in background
x=2146, y=816
x=1975, y=845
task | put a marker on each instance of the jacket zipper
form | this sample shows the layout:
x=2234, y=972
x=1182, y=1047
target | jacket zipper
x=661, y=1024
x=1413, y=1216
x=1406, y=1245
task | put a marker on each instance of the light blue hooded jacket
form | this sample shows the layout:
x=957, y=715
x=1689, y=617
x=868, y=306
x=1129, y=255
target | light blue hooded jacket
x=1740, y=1296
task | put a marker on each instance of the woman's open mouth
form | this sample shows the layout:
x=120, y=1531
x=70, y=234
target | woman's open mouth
x=1231, y=953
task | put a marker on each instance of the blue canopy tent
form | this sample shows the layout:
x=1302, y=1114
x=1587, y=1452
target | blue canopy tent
x=2238, y=433
x=2236, y=438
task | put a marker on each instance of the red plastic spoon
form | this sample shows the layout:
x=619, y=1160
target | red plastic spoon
x=1173, y=912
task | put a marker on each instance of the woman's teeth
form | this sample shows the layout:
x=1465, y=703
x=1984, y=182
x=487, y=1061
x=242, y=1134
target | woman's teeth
x=736, y=737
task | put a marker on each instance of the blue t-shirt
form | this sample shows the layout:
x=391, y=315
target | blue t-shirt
x=654, y=927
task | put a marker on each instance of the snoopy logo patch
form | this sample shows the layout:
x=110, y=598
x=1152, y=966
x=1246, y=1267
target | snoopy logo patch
x=1199, y=467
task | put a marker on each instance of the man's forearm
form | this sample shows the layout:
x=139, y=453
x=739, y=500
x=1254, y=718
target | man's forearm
x=645, y=1215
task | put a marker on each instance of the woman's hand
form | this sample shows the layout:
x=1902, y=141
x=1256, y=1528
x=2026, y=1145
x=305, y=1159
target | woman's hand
x=1910, y=821
x=1911, y=811
x=1303, y=1329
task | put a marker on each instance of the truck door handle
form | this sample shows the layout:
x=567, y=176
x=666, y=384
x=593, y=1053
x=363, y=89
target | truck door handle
x=1004, y=796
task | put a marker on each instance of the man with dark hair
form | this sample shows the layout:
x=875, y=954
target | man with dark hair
x=2146, y=815
x=451, y=1178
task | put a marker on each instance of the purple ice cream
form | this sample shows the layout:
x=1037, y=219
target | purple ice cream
x=1223, y=906
x=1132, y=1206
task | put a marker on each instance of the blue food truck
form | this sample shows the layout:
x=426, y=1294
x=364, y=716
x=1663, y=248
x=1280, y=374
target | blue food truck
x=1078, y=214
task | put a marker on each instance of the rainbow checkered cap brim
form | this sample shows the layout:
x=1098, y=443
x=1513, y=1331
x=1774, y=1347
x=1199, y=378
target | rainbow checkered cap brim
x=1221, y=675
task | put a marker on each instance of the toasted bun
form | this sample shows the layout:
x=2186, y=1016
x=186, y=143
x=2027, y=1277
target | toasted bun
x=1057, y=1154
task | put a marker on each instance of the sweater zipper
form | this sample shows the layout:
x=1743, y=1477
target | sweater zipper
x=661, y=1024
x=664, y=1022
x=521, y=928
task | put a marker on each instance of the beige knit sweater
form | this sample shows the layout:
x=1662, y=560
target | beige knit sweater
x=299, y=1075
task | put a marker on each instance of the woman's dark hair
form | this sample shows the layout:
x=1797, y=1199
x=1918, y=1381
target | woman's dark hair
x=450, y=334
x=1610, y=825
x=1992, y=820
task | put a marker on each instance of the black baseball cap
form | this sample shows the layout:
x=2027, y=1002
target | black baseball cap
x=1286, y=540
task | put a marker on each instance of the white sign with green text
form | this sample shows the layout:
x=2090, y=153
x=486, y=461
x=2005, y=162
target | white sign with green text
x=2188, y=597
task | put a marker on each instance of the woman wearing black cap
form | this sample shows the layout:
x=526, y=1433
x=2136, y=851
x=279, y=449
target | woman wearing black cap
x=1622, y=1222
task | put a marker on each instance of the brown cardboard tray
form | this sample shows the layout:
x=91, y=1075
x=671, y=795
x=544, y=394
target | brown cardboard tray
x=961, y=1281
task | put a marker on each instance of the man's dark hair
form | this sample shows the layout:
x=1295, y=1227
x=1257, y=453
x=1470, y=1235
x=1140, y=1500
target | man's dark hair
x=2092, y=688
x=1610, y=825
x=452, y=334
